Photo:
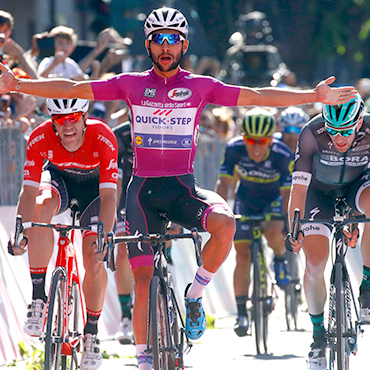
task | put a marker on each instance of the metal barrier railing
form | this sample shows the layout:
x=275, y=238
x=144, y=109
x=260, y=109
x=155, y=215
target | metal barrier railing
x=13, y=154
x=207, y=162
x=12, y=157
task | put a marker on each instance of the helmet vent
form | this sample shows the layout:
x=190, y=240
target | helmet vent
x=56, y=102
x=156, y=15
x=174, y=15
x=165, y=15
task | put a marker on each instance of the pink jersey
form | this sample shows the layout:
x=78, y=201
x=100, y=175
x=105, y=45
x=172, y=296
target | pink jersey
x=165, y=116
x=95, y=159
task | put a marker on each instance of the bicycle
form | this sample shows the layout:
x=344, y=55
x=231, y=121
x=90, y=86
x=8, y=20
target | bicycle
x=342, y=332
x=166, y=335
x=61, y=329
x=264, y=292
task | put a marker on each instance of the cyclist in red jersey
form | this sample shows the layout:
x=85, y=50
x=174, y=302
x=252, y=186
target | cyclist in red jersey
x=81, y=163
x=166, y=103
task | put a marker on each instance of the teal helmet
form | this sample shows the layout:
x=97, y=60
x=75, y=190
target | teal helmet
x=344, y=116
x=258, y=122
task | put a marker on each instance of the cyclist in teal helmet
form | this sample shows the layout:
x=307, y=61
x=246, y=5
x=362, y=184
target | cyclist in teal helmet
x=331, y=161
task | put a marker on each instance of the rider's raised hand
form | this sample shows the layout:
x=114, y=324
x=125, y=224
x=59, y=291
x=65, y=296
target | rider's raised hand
x=8, y=82
x=334, y=95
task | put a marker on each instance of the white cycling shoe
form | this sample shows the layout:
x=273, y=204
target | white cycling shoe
x=91, y=357
x=316, y=357
x=125, y=334
x=35, y=318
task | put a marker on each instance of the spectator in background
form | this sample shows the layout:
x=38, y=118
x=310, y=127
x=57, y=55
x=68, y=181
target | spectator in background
x=291, y=121
x=61, y=65
x=223, y=124
x=12, y=53
x=117, y=54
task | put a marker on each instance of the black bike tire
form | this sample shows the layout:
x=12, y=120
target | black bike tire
x=54, y=323
x=176, y=329
x=159, y=326
x=74, y=321
x=342, y=360
x=292, y=295
x=257, y=301
x=265, y=299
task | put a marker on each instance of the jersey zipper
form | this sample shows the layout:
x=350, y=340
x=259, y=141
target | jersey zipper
x=343, y=168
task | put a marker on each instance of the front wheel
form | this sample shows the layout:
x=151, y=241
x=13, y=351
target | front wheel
x=292, y=292
x=162, y=348
x=54, y=324
x=259, y=301
x=339, y=356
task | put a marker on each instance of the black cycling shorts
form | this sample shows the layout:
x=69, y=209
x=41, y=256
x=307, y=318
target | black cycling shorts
x=151, y=202
x=86, y=193
x=320, y=203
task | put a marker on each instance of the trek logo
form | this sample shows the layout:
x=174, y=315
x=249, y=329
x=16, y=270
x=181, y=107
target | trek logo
x=179, y=94
x=150, y=93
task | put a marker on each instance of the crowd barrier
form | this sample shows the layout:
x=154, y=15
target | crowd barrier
x=13, y=153
x=12, y=156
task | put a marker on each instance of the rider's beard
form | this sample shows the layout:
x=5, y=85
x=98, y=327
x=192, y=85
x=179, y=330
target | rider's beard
x=172, y=66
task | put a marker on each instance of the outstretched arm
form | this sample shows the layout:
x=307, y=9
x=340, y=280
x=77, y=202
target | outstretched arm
x=52, y=88
x=275, y=97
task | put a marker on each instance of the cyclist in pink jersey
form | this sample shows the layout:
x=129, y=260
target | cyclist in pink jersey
x=166, y=103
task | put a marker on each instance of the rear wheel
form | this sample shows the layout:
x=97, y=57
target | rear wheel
x=54, y=324
x=163, y=354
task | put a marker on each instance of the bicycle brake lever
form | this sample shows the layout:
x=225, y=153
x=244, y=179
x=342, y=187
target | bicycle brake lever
x=18, y=231
x=100, y=237
x=197, y=239
x=110, y=252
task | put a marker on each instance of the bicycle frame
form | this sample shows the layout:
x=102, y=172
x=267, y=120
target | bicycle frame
x=67, y=259
x=66, y=265
x=172, y=350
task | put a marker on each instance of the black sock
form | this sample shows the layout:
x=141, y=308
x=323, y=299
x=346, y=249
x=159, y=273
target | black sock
x=92, y=322
x=241, y=302
x=125, y=302
x=38, y=286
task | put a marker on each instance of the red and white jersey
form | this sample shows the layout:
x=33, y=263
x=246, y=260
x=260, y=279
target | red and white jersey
x=95, y=159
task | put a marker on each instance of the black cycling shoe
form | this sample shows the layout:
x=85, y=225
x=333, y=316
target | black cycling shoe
x=364, y=300
x=241, y=326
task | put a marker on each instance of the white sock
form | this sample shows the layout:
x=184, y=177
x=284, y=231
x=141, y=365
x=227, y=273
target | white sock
x=144, y=360
x=201, y=280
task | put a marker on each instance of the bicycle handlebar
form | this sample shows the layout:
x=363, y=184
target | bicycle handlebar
x=342, y=220
x=60, y=228
x=153, y=239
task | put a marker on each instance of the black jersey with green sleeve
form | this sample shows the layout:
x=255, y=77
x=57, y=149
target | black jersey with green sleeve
x=259, y=183
x=317, y=161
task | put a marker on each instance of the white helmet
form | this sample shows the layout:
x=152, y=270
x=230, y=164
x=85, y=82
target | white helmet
x=166, y=18
x=66, y=106
x=293, y=116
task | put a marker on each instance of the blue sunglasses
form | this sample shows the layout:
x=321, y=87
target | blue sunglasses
x=171, y=38
x=344, y=133
x=292, y=130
